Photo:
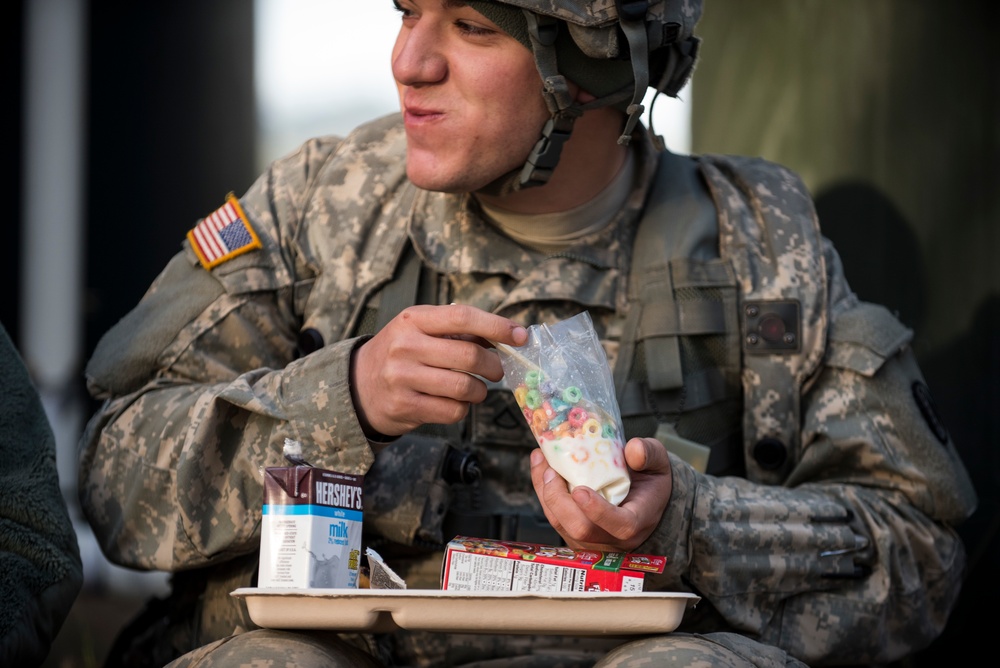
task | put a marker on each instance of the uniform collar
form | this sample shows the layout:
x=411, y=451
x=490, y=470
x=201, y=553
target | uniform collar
x=451, y=236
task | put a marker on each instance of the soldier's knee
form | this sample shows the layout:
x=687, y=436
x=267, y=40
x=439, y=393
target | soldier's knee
x=713, y=650
x=269, y=647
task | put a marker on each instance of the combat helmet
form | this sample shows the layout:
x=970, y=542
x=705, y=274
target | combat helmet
x=613, y=49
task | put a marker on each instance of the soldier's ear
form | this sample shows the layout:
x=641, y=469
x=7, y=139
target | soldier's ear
x=580, y=96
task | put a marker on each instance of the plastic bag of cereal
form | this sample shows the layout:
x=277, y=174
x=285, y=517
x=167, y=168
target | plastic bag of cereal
x=563, y=384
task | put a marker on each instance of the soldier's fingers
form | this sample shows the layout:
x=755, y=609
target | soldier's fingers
x=652, y=479
x=646, y=455
x=417, y=409
x=462, y=355
x=538, y=466
x=609, y=523
x=449, y=384
x=403, y=348
x=551, y=490
x=573, y=521
x=464, y=320
x=568, y=512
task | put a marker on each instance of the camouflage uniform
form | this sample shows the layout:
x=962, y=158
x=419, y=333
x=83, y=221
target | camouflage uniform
x=849, y=557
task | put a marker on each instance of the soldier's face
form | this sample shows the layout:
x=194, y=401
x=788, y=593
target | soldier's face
x=469, y=93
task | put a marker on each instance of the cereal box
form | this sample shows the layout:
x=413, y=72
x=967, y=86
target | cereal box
x=476, y=564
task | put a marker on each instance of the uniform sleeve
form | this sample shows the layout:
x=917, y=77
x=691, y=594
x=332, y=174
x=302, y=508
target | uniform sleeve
x=854, y=559
x=201, y=387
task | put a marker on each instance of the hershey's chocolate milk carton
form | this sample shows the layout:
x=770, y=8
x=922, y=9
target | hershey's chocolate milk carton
x=311, y=528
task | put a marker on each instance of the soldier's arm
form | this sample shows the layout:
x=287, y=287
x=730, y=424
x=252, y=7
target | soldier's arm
x=201, y=387
x=854, y=559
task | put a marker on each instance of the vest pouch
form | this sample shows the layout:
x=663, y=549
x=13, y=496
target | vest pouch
x=406, y=495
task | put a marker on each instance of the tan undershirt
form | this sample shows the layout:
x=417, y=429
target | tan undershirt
x=553, y=232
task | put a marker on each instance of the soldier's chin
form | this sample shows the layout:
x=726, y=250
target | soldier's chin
x=466, y=182
x=435, y=182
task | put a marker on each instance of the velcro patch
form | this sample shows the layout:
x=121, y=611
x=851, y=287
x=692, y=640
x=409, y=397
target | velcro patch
x=223, y=235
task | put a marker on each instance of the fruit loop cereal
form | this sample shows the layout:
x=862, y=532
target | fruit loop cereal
x=562, y=383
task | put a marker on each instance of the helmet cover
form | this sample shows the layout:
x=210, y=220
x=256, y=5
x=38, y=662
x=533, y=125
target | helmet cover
x=593, y=51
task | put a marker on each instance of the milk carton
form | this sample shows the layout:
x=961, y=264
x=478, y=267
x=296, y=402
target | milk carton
x=310, y=528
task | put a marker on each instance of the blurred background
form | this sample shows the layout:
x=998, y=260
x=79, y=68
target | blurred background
x=132, y=120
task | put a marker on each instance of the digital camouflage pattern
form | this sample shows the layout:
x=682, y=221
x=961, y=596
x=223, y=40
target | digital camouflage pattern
x=849, y=558
x=266, y=647
x=601, y=13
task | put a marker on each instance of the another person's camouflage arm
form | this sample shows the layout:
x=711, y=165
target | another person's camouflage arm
x=855, y=559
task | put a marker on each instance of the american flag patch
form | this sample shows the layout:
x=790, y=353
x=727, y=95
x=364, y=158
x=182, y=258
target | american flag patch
x=223, y=235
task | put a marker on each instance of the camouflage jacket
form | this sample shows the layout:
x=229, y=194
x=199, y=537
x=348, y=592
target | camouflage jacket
x=849, y=557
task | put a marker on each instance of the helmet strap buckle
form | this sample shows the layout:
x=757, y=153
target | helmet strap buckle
x=556, y=93
x=545, y=155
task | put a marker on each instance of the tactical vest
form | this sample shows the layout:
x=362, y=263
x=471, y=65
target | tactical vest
x=769, y=237
x=723, y=338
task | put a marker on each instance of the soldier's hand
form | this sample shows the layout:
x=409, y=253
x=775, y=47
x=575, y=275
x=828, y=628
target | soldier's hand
x=419, y=368
x=586, y=520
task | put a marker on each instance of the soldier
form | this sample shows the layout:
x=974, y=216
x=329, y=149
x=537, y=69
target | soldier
x=784, y=452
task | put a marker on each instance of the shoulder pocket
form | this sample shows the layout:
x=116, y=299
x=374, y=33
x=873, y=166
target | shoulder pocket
x=864, y=337
x=126, y=355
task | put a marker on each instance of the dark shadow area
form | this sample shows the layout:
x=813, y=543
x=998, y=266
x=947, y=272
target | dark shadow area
x=172, y=127
x=880, y=253
x=965, y=379
x=11, y=129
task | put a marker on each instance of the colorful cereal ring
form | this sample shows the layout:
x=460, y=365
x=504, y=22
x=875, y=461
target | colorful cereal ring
x=539, y=422
x=572, y=394
x=533, y=399
x=559, y=405
x=580, y=455
x=577, y=416
x=562, y=430
x=532, y=378
x=519, y=394
x=591, y=427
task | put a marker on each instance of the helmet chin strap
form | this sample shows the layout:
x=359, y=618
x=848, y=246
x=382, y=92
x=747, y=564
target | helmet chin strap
x=632, y=19
x=544, y=156
x=541, y=162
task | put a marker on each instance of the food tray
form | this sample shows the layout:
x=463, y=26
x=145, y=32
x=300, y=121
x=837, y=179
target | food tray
x=388, y=610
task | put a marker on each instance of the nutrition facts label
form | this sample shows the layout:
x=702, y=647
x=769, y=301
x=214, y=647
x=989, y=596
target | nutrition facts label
x=476, y=572
x=285, y=533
